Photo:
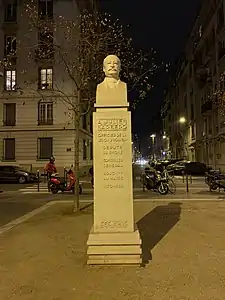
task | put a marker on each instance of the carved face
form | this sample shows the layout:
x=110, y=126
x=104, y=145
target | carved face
x=111, y=66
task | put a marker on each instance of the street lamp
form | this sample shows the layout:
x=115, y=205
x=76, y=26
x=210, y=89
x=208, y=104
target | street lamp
x=153, y=144
x=182, y=120
x=153, y=136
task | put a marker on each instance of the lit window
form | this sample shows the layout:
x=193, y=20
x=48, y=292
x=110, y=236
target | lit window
x=10, y=80
x=45, y=113
x=46, y=79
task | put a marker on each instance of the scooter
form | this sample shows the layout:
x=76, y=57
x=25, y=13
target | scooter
x=154, y=181
x=58, y=183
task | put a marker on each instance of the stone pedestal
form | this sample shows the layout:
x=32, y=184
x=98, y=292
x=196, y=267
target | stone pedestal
x=113, y=238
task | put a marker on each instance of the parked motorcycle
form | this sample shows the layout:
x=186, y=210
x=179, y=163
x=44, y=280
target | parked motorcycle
x=153, y=180
x=214, y=179
x=58, y=183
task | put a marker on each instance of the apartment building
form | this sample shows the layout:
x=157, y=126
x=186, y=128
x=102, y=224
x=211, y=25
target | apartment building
x=193, y=120
x=34, y=123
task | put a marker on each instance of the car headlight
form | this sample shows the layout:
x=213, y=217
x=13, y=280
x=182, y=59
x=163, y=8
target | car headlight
x=25, y=174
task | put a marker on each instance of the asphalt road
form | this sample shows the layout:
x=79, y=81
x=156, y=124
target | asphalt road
x=14, y=204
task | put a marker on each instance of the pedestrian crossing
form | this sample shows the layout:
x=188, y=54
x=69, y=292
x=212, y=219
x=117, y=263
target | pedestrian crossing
x=43, y=188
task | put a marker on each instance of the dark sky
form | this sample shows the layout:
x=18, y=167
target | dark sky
x=163, y=25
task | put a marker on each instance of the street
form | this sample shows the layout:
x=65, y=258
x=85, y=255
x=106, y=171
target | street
x=17, y=200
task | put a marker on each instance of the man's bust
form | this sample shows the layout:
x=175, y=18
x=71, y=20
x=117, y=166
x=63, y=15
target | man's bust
x=112, y=91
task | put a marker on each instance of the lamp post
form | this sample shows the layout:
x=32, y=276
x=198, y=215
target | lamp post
x=153, y=144
x=182, y=120
x=165, y=145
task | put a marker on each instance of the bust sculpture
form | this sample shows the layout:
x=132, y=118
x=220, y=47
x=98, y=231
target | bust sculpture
x=112, y=91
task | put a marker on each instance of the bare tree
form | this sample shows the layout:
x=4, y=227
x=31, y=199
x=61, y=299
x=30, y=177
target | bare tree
x=79, y=46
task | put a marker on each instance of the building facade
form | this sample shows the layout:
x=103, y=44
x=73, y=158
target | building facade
x=193, y=120
x=35, y=124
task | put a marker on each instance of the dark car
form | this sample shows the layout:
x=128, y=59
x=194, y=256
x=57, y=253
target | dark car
x=177, y=168
x=195, y=168
x=16, y=174
x=190, y=168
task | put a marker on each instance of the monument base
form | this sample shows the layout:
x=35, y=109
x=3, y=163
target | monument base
x=119, y=248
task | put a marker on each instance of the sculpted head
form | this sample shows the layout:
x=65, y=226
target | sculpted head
x=112, y=66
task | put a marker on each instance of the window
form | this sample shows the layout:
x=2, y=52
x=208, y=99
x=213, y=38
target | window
x=45, y=113
x=205, y=126
x=91, y=150
x=11, y=11
x=10, y=45
x=10, y=80
x=210, y=125
x=45, y=148
x=84, y=150
x=192, y=132
x=45, y=9
x=192, y=111
x=45, y=79
x=9, y=118
x=9, y=149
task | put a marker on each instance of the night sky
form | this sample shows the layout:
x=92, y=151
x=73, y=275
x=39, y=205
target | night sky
x=163, y=25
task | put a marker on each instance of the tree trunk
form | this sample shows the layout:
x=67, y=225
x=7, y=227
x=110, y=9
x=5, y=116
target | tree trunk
x=76, y=203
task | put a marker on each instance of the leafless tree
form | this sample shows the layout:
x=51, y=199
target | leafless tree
x=87, y=40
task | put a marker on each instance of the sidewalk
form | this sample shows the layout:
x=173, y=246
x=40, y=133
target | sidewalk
x=44, y=258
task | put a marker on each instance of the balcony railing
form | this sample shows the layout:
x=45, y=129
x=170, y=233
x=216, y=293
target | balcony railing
x=207, y=106
x=45, y=122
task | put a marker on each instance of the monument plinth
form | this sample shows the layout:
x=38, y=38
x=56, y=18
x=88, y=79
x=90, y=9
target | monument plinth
x=113, y=238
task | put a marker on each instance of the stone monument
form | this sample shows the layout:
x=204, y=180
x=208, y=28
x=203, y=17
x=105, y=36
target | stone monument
x=113, y=238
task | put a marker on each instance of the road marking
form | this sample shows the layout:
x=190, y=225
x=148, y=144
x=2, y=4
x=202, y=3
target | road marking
x=36, y=192
x=24, y=218
x=32, y=190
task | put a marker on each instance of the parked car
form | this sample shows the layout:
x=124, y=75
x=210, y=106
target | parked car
x=190, y=168
x=177, y=168
x=16, y=174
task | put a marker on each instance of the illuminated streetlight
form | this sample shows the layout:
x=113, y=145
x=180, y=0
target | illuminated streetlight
x=164, y=136
x=182, y=120
x=153, y=143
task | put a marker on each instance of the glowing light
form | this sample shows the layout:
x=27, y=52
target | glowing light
x=182, y=120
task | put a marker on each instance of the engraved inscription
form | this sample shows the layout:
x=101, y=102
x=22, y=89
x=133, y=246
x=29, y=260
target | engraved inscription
x=106, y=166
x=111, y=136
x=113, y=186
x=114, y=224
x=112, y=125
x=113, y=176
x=112, y=140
